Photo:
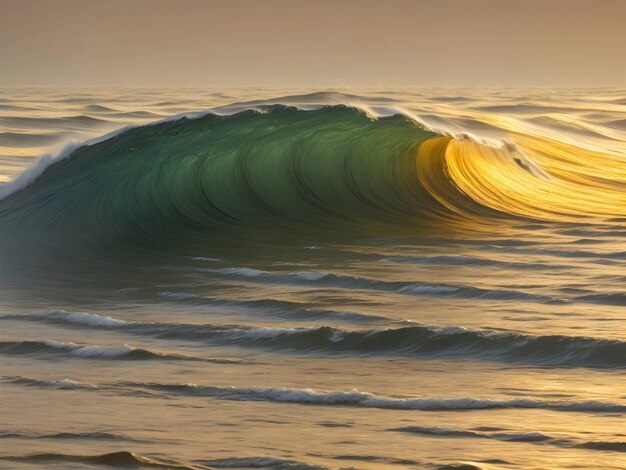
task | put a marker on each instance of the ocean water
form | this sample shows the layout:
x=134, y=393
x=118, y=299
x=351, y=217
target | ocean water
x=306, y=279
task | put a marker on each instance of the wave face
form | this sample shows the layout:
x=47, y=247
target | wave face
x=285, y=165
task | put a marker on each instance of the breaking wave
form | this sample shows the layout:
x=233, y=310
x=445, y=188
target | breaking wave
x=281, y=165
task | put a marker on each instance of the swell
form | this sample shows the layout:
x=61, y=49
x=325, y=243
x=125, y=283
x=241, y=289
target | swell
x=507, y=436
x=95, y=435
x=327, y=279
x=112, y=459
x=50, y=347
x=354, y=398
x=274, y=308
x=288, y=167
x=411, y=341
x=129, y=459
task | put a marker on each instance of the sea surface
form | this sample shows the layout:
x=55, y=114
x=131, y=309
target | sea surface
x=313, y=279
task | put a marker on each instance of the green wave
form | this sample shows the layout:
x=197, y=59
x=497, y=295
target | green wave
x=333, y=166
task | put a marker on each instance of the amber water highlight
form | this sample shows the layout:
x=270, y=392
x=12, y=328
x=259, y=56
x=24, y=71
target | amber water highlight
x=428, y=278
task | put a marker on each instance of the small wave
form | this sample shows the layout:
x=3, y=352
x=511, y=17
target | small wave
x=370, y=400
x=130, y=459
x=204, y=258
x=80, y=120
x=324, y=278
x=352, y=397
x=574, y=254
x=609, y=446
x=64, y=384
x=261, y=462
x=412, y=341
x=464, y=260
x=84, y=351
x=105, y=436
x=25, y=140
x=276, y=308
x=502, y=436
x=83, y=318
x=614, y=298
x=112, y=459
x=535, y=437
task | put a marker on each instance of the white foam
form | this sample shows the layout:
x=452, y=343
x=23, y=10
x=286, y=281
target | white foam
x=312, y=275
x=203, y=258
x=84, y=318
x=89, y=351
x=178, y=295
x=427, y=289
x=31, y=173
x=246, y=272
x=358, y=398
x=68, y=384
x=267, y=333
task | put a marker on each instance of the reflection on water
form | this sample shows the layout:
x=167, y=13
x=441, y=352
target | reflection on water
x=485, y=329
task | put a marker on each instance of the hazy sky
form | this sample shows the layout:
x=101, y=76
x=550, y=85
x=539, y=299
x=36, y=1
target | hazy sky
x=312, y=43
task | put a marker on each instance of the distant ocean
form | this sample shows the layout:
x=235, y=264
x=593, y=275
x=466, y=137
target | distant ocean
x=304, y=279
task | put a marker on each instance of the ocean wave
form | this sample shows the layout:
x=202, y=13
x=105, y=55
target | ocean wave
x=83, y=318
x=63, y=384
x=293, y=168
x=465, y=260
x=89, y=435
x=370, y=400
x=277, y=308
x=130, y=459
x=536, y=437
x=13, y=348
x=501, y=436
x=612, y=298
x=412, y=341
x=80, y=121
x=357, y=398
x=604, y=445
x=112, y=459
x=23, y=139
x=324, y=278
x=261, y=462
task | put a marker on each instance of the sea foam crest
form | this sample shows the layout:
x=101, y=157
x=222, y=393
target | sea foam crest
x=84, y=318
x=90, y=351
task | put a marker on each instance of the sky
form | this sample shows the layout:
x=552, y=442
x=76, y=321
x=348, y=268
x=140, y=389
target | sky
x=319, y=43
